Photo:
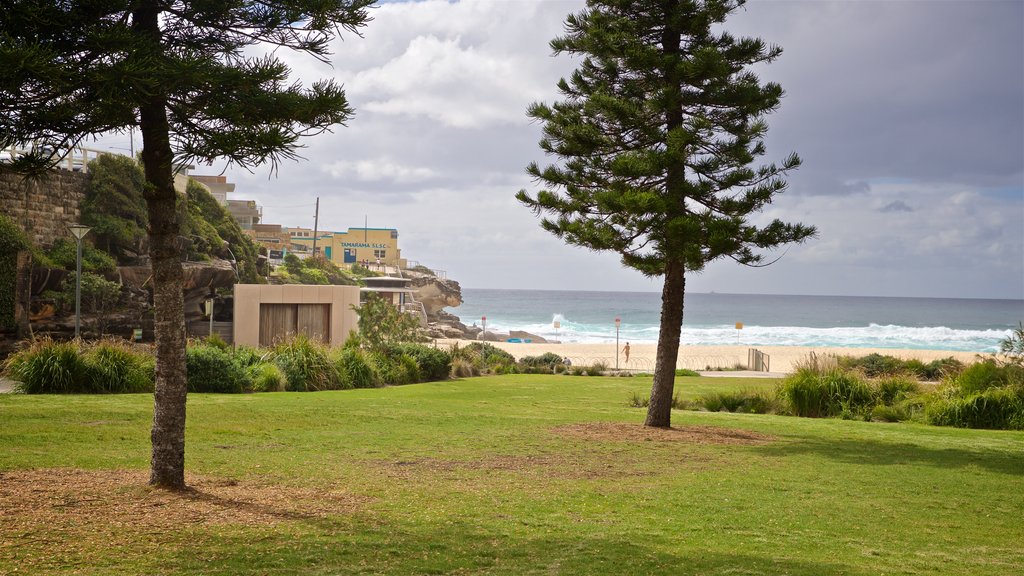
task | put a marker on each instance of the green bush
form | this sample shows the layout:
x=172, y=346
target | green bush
x=890, y=390
x=12, y=241
x=386, y=368
x=249, y=356
x=596, y=369
x=64, y=253
x=942, y=368
x=686, y=372
x=985, y=395
x=266, y=377
x=981, y=376
x=883, y=413
x=113, y=367
x=994, y=408
x=484, y=357
x=355, y=369
x=434, y=364
x=546, y=360
x=109, y=366
x=306, y=365
x=822, y=394
x=48, y=367
x=745, y=401
x=211, y=369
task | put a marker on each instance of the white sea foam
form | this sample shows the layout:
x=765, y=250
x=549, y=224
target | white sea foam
x=871, y=336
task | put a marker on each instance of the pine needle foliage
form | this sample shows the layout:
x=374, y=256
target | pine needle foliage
x=655, y=138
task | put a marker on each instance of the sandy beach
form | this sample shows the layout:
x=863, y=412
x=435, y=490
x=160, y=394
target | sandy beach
x=641, y=357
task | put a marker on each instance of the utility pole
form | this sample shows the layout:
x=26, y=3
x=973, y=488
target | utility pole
x=316, y=223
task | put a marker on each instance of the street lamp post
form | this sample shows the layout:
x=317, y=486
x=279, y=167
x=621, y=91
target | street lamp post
x=618, y=321
x=78, y=231
x=208, y=308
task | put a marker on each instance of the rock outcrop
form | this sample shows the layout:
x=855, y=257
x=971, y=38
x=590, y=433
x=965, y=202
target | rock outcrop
x=435, y=293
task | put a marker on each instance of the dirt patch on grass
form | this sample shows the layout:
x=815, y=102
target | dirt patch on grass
x=627, y=432
x=79, y=498
x=571, y=466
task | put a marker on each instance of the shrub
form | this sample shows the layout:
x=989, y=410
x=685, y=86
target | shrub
x=462, y=368
x=248, y=356
x=107, y=366
x=888, y=391
x=596, y=369
x=984, y=395
x=266, y=377
x=981, y=376
x=686, y=372
x=385, y=368
x=409, y=370
x=746, y=401
x=546, y=360
x=113, y=367
x=994, y=408
x=833, y=393
x=883, y=413
x=48, y=367
x=942, y=368
x=211, y=369
x=354, y=368
x=306, y=365
x=433, y=364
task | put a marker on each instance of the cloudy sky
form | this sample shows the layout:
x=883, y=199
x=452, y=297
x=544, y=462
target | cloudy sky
x=909, y=117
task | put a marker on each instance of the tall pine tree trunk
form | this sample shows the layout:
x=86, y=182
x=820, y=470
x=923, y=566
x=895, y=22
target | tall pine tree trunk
x=659, y=411
x=167, y=467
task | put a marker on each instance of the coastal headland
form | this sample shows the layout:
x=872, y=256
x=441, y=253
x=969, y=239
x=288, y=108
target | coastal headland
x=781, y=359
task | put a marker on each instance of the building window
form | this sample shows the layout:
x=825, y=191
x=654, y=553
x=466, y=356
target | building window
x=380, y=253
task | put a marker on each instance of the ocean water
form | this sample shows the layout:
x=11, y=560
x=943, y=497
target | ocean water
x=971, y=325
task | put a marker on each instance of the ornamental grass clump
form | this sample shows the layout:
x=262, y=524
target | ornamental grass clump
x=985, y=395
x=821, y=394
x=45, y=366
x=742, y=401
x=433, y=363
x=307, y=365
x=114, y=367
x=266, y=377
x=354, y=368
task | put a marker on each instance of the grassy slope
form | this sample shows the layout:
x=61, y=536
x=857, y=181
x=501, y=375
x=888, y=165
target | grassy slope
x=468, y=477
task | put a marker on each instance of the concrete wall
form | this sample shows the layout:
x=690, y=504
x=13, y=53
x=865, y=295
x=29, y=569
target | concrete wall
x=248, y=298
x=44, y=208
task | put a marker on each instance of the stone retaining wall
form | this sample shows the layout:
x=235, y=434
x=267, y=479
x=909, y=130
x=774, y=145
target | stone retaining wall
x=44, y=208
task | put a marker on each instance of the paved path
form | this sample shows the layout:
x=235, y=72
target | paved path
x=6, y=385
x=740, y=374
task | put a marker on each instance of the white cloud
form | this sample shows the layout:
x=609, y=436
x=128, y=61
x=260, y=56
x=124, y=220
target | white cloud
x=378, y=170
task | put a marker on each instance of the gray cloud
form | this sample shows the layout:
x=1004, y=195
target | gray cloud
x=891, y=105
x=895, y=206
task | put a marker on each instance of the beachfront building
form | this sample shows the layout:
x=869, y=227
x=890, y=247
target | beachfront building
x=357, y=245
x=217, y=185
x=266, y=314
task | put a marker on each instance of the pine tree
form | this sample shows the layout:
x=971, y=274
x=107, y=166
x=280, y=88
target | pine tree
x=654, y=140
x=185, y=75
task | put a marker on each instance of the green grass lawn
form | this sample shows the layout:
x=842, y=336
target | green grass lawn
x=500, y=475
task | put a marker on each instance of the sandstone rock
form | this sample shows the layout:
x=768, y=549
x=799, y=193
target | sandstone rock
x=488, y=336
x=527, y=336
x=435, y=293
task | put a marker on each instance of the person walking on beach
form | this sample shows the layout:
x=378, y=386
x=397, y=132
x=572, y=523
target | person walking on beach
x=625, y=350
